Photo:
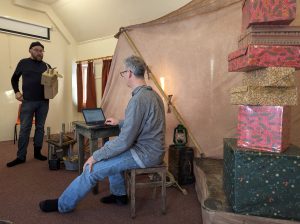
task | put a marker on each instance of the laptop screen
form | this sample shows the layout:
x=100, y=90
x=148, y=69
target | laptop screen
x=93, y=116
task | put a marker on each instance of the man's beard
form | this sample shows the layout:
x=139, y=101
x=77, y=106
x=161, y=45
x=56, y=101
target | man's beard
x=38, y=58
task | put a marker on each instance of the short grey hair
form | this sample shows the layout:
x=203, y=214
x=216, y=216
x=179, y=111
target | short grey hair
x=136, y=65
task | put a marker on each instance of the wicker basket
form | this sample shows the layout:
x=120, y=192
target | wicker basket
x=71, y=165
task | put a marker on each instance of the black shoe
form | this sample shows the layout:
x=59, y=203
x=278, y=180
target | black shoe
x=49, y=205
x=38, y=155
x=15, y=162
x=114, y=199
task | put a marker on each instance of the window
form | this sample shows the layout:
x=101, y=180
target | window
x=84, y=83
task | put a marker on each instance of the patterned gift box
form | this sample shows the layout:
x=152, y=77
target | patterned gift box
x=279, y=12
x=262, y=183
x=265, y=128
x=259, y=95
x=271, y=76
x=260, y=56
x=270, y=35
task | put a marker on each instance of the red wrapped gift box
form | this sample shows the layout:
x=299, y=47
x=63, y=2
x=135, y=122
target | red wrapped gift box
x=265, y=128
x=270, y=35
x=261, y=56
x=276, y=12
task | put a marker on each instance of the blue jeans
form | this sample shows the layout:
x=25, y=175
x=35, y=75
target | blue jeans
x=112, y=168
x=39, y=109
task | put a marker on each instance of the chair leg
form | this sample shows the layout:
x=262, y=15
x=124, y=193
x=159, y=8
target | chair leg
x=132, y=195
x=163, y=192
x=127, y=182
x=95, y=189
x=15, y=134
x=154, y=193
x=49, y=149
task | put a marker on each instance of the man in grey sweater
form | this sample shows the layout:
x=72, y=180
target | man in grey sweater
x=140, y=144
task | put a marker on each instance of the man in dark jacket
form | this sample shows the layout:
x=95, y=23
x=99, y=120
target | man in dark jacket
x=33, y=101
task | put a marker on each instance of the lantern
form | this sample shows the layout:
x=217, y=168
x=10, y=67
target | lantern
x=180, y=135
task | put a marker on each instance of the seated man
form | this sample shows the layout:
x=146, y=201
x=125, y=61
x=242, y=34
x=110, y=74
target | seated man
x=139, y=145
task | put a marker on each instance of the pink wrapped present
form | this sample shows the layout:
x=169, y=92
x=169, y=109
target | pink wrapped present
x=261, y=56
x=276, y=12
x=265, y=128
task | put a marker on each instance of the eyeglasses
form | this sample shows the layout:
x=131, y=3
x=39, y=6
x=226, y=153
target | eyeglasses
x=122, y=73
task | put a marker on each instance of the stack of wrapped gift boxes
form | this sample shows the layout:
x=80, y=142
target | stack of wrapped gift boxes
x=261, y=168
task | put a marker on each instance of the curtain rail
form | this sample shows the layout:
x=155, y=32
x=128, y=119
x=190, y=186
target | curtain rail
x=94, y=59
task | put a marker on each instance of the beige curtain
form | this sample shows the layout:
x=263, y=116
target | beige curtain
x=189, y=48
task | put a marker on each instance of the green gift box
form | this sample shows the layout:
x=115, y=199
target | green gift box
x=262, y=183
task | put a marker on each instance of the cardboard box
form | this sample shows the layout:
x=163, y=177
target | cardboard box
x=270, y=35
x=261, y=56
x=265, y=128
x=262, y=183
x=48, y=80
x=268, y=96
x=51, y=90
x=272, y=76
x=276, y=12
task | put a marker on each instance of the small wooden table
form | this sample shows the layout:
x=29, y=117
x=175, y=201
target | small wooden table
x=92, y=133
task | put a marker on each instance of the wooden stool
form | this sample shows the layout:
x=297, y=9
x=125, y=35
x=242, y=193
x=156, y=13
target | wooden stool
x=59, y=145
x=132, y=184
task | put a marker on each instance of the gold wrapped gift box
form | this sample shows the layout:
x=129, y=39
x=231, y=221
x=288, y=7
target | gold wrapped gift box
x=271, y=76
x=258, y=95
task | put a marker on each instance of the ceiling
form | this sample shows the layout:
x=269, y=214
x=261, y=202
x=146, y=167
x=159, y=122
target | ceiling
x=94, y=19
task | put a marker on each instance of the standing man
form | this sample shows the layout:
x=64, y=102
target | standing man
x=33, y=102
x=140, y=144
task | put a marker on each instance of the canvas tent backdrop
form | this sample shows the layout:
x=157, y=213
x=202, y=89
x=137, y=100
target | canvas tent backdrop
x=189, y=48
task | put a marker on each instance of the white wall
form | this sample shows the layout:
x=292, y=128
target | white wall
x=58, y=53
x=96, y=48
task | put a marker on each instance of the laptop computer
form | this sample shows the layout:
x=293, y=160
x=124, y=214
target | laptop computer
x=94, y=116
